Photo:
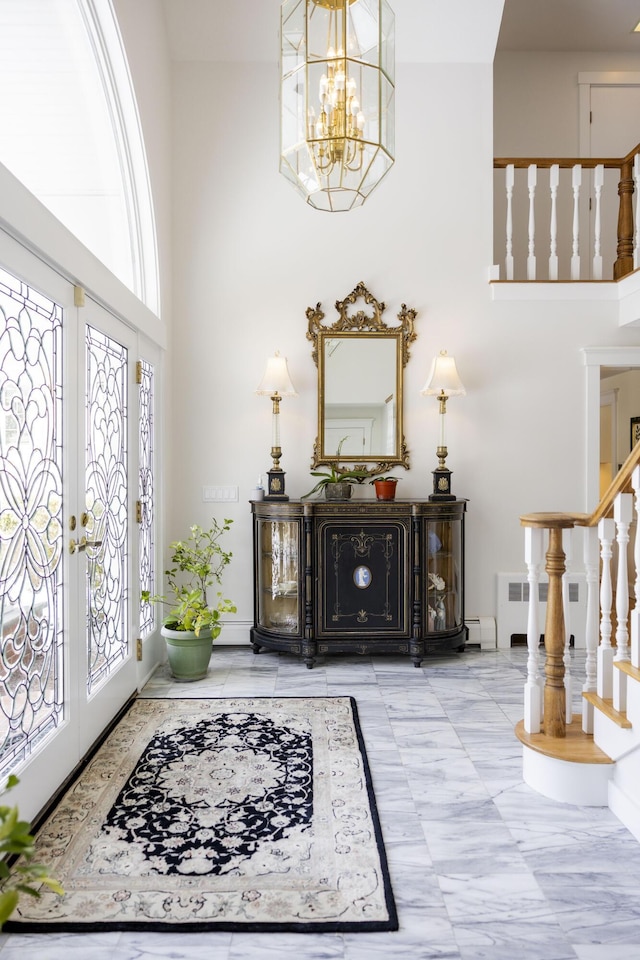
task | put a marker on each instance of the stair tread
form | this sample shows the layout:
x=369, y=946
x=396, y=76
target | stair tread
x=606, y=706
x=575, y=747
x=627, y=667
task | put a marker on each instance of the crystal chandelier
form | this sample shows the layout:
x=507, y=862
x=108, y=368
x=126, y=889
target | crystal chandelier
x=337, y=91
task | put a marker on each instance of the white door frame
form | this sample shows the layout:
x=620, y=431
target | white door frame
x=594, y=358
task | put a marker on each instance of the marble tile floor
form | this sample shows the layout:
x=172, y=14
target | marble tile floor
x=482, y=867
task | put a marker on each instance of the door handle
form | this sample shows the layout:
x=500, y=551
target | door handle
x=83, y=544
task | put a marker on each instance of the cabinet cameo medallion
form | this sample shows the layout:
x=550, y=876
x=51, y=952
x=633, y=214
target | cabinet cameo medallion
x=360, y=361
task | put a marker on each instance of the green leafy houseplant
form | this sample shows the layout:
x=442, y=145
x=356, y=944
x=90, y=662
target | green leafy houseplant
x=335, y=474
x=20, y=875
x=197, y=564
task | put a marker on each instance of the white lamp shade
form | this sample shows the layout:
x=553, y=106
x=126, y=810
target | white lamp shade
x=276, y=379
x=443, y=378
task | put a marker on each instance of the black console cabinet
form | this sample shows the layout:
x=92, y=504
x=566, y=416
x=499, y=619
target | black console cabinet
x=363, y=576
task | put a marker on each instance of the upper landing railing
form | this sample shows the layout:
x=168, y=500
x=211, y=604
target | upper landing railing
x=590, y=235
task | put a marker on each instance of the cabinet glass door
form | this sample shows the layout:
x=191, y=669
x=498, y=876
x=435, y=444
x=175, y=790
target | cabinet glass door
x=278, y=575
x=444, y=575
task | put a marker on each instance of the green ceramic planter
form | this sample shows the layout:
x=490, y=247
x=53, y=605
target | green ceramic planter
x=188, y=655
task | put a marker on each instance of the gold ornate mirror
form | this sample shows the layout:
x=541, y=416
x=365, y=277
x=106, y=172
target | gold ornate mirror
x=360, y=364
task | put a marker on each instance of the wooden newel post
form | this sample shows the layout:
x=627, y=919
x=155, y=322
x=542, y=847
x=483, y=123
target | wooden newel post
x=554, y=635
x=554, y=639
x=624, y=263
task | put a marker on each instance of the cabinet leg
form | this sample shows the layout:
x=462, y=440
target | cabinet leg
x=308, y=653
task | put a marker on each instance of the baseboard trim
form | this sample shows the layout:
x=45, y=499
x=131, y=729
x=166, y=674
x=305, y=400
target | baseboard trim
x=625, y=809
x=234, y=634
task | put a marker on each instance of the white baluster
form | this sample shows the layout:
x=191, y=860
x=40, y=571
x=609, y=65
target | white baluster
x=532, y=179
x=635, y=613
x=598, y=182
x=576, y=182
x=591, y=565
x=636, y=240
x=606, y=535
x=508, y=262
x=568, y=684
x=533, y=688
x=554, y=180
x=623, y=515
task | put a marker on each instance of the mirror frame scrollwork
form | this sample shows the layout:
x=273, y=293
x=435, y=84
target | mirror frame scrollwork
x=365, y=324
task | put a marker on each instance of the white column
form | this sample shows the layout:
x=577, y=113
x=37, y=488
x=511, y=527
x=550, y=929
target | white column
x=576, y=181
x=509, y=180
x=606, y=535
x=623, y=514
x=532, y=179
x=635, y=613
x=554, y=180
x=591, y=565
x=636, y=241
x=598, y=182
x=533, y=688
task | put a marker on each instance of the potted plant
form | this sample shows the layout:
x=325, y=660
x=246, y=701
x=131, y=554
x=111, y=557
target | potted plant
x=193, y=622
x=336, y=482
x=385, y=487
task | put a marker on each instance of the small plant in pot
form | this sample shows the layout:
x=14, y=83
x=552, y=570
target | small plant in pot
x=337, y=482
x=385, y=487
x=193, y=622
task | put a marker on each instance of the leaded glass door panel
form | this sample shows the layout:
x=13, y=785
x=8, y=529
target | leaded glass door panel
x=107, y=518
x=31, y=526
x=36, y=597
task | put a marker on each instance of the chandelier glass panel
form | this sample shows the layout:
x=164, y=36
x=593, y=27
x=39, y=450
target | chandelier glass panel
x=337, y=98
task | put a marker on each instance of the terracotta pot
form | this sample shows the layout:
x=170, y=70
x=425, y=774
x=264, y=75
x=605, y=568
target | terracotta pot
x=385, y=489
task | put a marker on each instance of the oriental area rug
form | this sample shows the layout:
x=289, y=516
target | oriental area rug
x=252, y=814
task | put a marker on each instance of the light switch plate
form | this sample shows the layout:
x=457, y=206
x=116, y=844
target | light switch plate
x=215, y=493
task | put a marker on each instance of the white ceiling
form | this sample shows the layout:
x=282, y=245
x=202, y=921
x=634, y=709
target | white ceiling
x=578, y=25
x=426, y=30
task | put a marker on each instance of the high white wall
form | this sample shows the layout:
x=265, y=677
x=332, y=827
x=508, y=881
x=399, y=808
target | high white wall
x=249, y=257
x=536, y=100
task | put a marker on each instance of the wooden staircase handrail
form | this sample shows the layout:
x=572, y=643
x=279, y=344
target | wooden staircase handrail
x=611, y=163
x=621, y=483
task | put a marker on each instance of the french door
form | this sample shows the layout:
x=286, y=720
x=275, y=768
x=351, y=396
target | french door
x=68, y=485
